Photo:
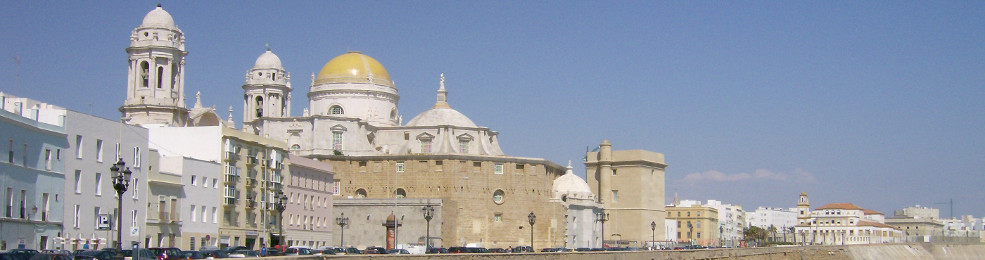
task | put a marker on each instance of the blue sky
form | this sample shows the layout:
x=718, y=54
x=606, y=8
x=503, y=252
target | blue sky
x=877, y=103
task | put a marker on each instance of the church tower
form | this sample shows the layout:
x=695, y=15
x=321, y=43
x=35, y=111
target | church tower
x=803, y=209
x=155, y=80
x=267, y=91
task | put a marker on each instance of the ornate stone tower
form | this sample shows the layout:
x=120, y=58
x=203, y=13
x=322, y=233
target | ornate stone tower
x=803, y=209
x=155, y=81
x=267, y=91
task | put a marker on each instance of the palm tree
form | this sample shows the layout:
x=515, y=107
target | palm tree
x=772, y=231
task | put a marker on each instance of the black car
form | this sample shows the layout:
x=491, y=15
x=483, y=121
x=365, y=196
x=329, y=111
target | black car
x=18, y=254
x=375, y=250
x=437, y=250
x=193, y=255
x=51, y=256
x=97, y=254
x=215, y=253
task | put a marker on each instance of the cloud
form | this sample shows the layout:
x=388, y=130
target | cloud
x=798, y=175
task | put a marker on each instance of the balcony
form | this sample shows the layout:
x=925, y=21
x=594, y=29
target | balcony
x=231, y=179
x=231, y=156
x=164, y=217
x=274, y=185
x=250, y=182
x=274, y=164
x=252, y=160
x=250, y=203
x=228, y=201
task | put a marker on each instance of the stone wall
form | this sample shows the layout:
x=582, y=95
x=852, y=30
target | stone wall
x=855, y=252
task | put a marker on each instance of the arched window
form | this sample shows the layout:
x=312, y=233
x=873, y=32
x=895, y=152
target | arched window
x=259, y=103
x=401, y=193
x=174, y=75
x=296, y=147
x=144, y=67
x=360, y=193
x=393, y=114
x=335, y=110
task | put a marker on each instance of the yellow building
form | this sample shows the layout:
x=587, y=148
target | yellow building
x=695, y=224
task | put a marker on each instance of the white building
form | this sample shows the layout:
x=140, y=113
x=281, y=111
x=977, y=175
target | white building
x=572, y=191
x=32, y=175
x=731, y=222
x=783, y=220
x=193, y=222
x=844, y=224
x=95, y=144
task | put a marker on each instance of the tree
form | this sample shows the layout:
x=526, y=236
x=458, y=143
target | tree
x=754, y=234
x=772, y=231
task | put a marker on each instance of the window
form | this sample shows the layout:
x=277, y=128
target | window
x=133, y=218
x=76, y=225
x=136, y=157
x=135, y=183
x=615, y=196
x=400, y=167
x=614, y=172
x=44, y=206
x=699, y=233
x=99, y=150
x=215, y=212
x=360, y=193
x=117, y=154
x=699, y=213
x=193, y=180
x=463, y=146
x=78, y=181
x=23, y=204
x=205, y=215
x=498, y=196
x=78, y=147
x=401, y=193
x=47, y=159
x=193, y=216
x=10, y=203
x=335, y=110
x=699, y=224
x=498, y=217
x=426, y=146
x=99, y=184
x=337, y=141
x=498, y=168
x=295, y=147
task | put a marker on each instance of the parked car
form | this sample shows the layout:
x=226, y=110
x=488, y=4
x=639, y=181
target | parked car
x=96, y=254
x=436, y=250
x=191, y=254
x=375, y=250
x=167, y=253
x=215, y=253
x=243, y=253
x=144, y=254
x=397, y=252
x=498, y=250
x=273, y=251
x=353, y=251
x=18, y=254
x=51, y=256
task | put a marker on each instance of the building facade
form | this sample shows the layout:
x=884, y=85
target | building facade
x=629, y=185
x=367, y=219
x=32, y=175
x=253, y=170
x=696, y=224
x=581, y=209
x=308, y=214
x=844, y=224
x=731, y=222
x=783, y=220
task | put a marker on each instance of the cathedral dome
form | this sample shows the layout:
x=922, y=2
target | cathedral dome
x=268, y=60
x=158, y=18
x=353, y=67
x=441, y=116
x=569, y=183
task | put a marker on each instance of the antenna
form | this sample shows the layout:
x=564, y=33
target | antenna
x=950, y=203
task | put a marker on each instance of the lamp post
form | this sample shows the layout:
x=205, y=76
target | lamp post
x=653, y=233
x=281, y=206
x=428, y=215
x=121, y=182
x=532, y=218
x=342, y=221
x=602, y=217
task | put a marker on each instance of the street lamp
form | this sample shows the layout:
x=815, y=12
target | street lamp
x=602, y=217
x=532, y=218
x=342, y=221
x=428, y=215
x=121, y=181
x=281, y=206
x=653, y=232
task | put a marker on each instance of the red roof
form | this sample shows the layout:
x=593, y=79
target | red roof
x=847, y=206
x=874, y=224
x=872, y=212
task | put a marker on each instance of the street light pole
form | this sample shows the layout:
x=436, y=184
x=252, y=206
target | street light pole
x=342, y=221
x=532, y=218
x=428, y=215
x=281, y=206
x=602, y=217
x=121, y=182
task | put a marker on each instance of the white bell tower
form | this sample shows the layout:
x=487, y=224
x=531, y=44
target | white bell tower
x=155, y=81
x=267, y=90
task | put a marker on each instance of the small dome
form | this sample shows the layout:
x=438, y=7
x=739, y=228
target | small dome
x=353, y=67
x=268, y=60
x=569, y=183
x=158, y=18
x=441, y=116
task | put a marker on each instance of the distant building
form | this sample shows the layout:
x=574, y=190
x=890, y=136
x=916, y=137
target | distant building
x=196, y=185
x=731, y=222
x=784, y=220
x=919, y=212
x=844, y=224
x=696, y=224
x=308, y=216
x=582, y=229
x=32, y=173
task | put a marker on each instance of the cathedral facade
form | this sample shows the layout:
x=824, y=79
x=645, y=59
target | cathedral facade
x=353, y=123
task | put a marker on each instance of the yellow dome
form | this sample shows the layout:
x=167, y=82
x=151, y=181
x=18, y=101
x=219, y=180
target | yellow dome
x=354, y=67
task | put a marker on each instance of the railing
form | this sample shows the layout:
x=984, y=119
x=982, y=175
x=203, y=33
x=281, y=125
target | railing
x=231, y=156
x=250, y=182
x=229, y=201
x=229, y=178
x=274, y=164
x=250, y=203
x=252, y=160
x=163, y=217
